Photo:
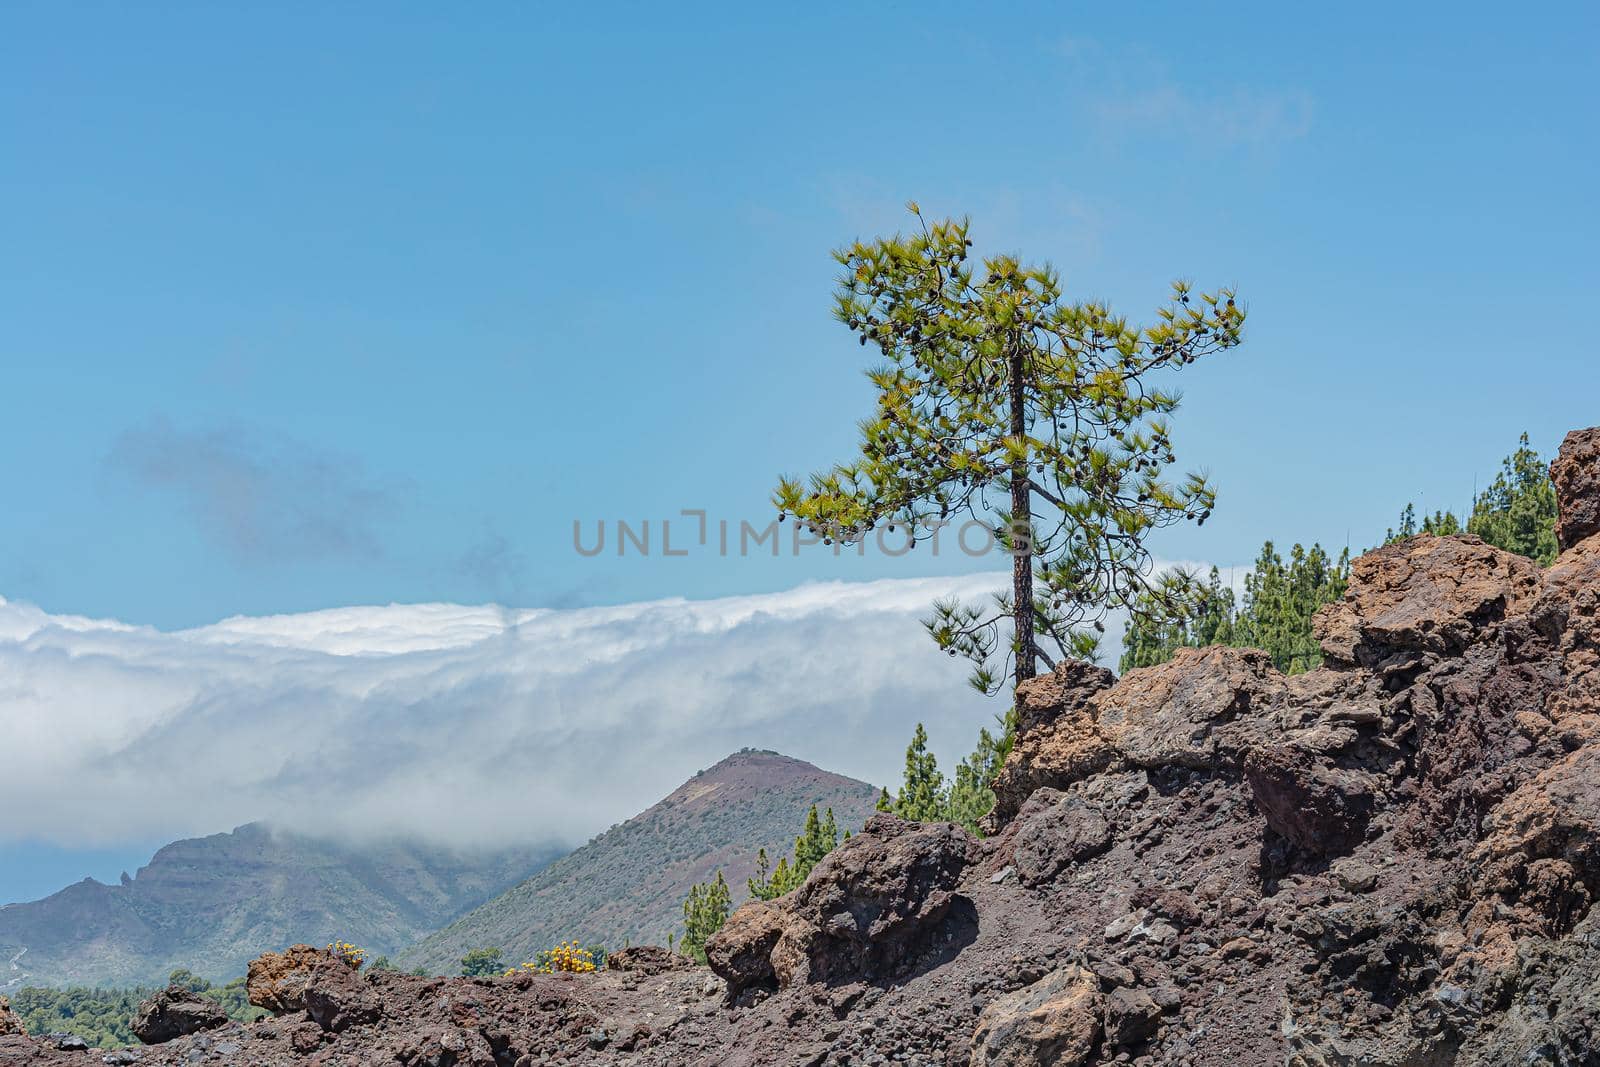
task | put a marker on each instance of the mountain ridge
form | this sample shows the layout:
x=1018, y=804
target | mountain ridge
x=212, y=903
x=716, y=820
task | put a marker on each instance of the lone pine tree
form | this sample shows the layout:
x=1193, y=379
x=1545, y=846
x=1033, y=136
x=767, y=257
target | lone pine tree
x=1035, y=416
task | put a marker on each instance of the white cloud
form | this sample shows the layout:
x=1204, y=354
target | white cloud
x=457, y=723
x=1243, y=117
x=460, y=723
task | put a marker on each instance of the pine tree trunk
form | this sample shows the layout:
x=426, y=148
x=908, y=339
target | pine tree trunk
x=1021, y=519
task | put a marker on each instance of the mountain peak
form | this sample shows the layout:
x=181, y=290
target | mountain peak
x=629, y=883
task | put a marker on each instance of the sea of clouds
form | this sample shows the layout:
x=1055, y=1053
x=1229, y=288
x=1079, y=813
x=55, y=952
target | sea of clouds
x=458, y=723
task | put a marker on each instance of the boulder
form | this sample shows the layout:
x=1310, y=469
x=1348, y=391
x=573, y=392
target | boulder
x=1056, y=742
x=1055, y=1022
x=1576, y=472
x=1308, y=801
x=1131, y=1016
x=336, y=998
x=1424, y=595
x=9, y=1023
x=647, y=960
x=1056, y=830
x=277, y=981
x=741, y=952
x=1204, y=708
x=173, y=1013
x=870, y=909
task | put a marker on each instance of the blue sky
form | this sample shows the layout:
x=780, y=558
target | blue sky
x=447, y=283
x=309, y=308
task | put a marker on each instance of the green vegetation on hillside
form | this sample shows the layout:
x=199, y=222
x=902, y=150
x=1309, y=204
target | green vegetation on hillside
x=101, y=1016
x=629, y=884
x=483, y=961
x=1036, y=418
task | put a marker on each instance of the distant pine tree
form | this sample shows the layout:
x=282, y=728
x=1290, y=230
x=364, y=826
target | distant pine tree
x=921, y=796
x=1518, y=510
x=819, y=837
x=924, y=795
x=1280, y=601
x=704, y=912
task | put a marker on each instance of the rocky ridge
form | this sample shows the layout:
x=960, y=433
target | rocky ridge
x=1389, y=861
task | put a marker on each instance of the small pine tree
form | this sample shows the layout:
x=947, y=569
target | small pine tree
x=970, y=797
x=819, y=837
x=704, y=912
x=921, y=796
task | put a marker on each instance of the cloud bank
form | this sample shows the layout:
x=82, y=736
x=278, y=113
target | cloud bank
x=455, y=723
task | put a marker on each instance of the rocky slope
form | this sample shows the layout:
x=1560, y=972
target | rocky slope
x=1389, y=861
x=210, y=904
x=629, y=883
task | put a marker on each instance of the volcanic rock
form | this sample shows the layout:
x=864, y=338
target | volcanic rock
x=1308, y=800
x=277, y=981
x=9, y=1023
x=1055, y=831
x=336, y=998
x=1576, y=473
x=1424, y=595
x=647, y=959
x=175, y=1012
x=869, y=909
x=1056, y=743
x=1055, y=1022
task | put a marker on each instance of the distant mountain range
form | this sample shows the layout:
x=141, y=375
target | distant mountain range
x=213, y=903
x=629, y=883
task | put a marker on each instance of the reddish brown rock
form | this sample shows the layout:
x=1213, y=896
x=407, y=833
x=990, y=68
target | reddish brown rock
x=1576, y=472
x=1057, y=742
x=741, y=952
x=1055, y=1022
x=1205, y=708
x=871, y=908
x=1308, y=801
x=337, y=998
x=277, y=981
x=1055, y=831
x=1554, y=817
x=1424, y=595
x=9, y=1023
x=175, y=1012
x=1131, y=1016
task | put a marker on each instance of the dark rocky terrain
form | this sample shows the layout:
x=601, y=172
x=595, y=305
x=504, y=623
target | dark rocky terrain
x=1388, y=861
x=210, y=904
x=629, y=882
